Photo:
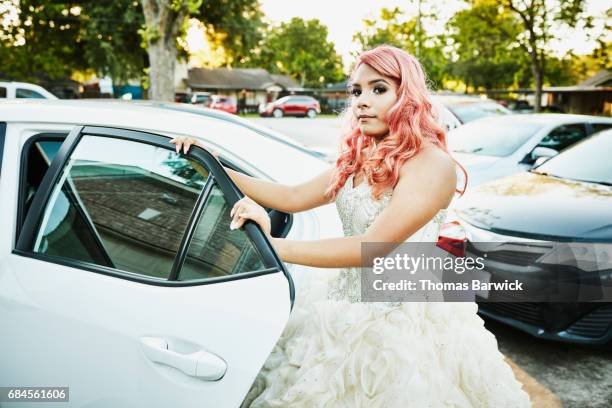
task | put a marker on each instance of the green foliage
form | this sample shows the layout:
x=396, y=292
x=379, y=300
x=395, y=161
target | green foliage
x=52, y=39
x=236, y=25
x=486, y=52
x=301, y=49
x=390, y=28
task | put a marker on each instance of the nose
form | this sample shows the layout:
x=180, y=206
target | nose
x=363, y=100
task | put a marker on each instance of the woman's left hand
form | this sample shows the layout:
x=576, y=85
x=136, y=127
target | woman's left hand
x=247, y=209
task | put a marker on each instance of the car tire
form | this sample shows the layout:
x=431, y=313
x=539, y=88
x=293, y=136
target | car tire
x=277, y=113
x=311, y=113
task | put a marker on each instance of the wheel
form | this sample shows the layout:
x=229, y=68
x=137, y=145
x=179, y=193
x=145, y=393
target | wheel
x=277, y=113
x=311, y=113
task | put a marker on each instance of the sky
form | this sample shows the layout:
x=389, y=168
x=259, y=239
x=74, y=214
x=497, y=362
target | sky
x=344, y=18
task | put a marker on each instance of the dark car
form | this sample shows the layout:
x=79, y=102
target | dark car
x=293, y=105
x=565, y=201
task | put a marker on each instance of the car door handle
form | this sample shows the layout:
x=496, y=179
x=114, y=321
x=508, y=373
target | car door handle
x=200, y=364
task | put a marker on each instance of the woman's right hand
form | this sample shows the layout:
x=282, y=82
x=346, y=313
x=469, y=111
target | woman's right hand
x=184, y=143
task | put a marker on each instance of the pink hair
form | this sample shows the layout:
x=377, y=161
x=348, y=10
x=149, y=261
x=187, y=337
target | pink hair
x=411, y=121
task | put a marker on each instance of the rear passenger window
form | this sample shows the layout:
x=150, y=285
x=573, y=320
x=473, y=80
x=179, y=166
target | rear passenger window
x=122, y=205
x=28, y=93
x=2, y=92
x=128, y=205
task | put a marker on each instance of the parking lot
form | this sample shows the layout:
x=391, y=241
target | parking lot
x=577, y=376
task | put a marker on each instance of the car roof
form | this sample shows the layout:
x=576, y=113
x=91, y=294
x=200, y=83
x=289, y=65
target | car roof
x=173, y=118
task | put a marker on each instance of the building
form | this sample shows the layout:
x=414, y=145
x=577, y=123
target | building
x=590, y=97
x=250, y=87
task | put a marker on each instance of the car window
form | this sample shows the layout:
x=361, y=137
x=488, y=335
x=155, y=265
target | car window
x=598, y=127
x=121, y=204
x=27, y=93
x=216, y=250
x=564, y=136
x=2, y=92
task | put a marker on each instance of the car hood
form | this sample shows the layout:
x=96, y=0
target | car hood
x=540, y=207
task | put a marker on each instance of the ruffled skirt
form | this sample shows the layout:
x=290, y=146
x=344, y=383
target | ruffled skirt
x=341, y=354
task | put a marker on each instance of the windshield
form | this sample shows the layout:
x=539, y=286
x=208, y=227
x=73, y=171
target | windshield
x=586, y=161
x=471, y=111
x=491, y=138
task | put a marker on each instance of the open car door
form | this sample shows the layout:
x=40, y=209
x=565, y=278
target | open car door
x=128, y=286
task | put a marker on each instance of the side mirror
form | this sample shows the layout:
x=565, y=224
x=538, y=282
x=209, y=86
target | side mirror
x=540, y=154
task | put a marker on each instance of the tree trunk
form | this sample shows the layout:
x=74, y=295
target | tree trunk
x=162, y=57
x=537, y=77
x=163, y=22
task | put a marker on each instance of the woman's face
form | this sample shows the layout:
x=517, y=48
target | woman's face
x=371, y=96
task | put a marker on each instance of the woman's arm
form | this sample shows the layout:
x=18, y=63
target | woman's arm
x=426, y=185
x=290, y=199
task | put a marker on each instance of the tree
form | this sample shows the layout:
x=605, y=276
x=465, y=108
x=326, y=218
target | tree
x=539, y=18
x=163, y=22
x=485, y=50
x=300, y=49
x=52, y=39
x=390, y=28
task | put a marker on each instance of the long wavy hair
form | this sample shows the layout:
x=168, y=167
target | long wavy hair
x=412, y=121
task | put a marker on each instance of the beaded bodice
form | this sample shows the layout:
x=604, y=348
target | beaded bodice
x=357, y=209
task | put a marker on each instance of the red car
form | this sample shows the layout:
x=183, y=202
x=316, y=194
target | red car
x=224, y=103
x=293, y=105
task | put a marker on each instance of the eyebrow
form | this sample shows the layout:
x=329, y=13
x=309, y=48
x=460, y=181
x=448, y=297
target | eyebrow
x=369, y=83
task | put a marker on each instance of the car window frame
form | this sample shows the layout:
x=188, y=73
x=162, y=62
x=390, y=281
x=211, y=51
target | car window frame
x=25, y=243
x=23, y=166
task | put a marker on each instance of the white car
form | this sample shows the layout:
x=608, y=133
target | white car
x=119, y=275
x=466, y=109
x=19, y=90
x=494, y=147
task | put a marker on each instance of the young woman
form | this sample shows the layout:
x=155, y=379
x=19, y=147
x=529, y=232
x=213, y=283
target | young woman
x=391, y=183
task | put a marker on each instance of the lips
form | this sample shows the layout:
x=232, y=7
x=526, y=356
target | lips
x=365, y=116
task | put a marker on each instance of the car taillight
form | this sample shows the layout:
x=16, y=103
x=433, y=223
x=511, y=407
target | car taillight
x=452, y=238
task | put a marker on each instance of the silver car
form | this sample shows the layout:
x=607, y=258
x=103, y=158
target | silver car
x=494, y=147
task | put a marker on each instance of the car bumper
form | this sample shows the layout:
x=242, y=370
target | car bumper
x=591, y=328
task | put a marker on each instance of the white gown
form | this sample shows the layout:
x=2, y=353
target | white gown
x=337, y=352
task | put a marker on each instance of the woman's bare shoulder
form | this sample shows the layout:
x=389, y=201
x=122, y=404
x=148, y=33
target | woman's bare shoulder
x=430, y=160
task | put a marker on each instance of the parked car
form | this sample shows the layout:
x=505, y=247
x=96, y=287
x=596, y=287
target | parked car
x=495, y=147
x=19, y=90
x=469, y=108
x=224, y=103
x=568, y=199
x=292, y=105
x=117, y=262
x=201, y=98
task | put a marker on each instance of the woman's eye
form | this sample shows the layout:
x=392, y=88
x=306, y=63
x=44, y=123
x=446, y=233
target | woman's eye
x=355, y=92
x=380, y=90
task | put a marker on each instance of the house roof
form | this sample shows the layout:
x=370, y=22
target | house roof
x=237, y=78
x=602, y=78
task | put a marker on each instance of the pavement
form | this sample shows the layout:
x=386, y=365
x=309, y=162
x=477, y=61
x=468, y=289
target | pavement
x=553, y=374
